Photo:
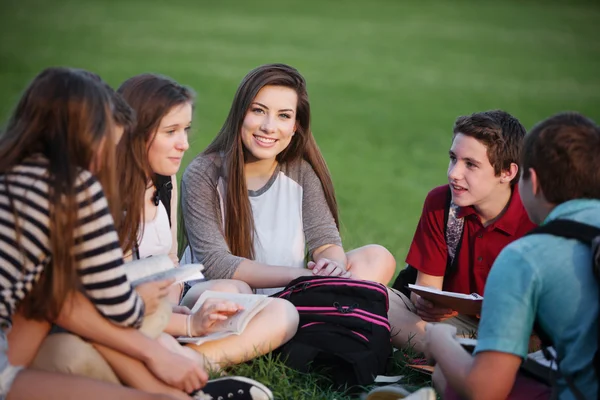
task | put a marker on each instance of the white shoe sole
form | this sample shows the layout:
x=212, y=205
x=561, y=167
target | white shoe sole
x=258, y=390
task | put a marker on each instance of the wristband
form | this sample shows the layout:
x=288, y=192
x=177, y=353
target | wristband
x=188, y=325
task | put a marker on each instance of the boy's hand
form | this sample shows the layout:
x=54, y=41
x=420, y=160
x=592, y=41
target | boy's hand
x=326, y=267
x=153, y=292
x=433, y=333
x=212, y=312
x=430, y=313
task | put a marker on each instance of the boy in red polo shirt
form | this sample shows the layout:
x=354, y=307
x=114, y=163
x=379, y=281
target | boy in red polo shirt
x=482, y=176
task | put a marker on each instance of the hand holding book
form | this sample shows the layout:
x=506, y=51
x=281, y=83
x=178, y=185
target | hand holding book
x=227, y=321
x=152, y=293
x=208, y=318
x=430, y=312
x=468, y=304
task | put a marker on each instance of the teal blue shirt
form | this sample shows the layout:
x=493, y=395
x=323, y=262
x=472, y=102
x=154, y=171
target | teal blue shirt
x=551, y=279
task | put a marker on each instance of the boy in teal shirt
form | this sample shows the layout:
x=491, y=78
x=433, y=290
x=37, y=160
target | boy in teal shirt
x=540, y=278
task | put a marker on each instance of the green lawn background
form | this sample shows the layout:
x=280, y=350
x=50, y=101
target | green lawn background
x=386, y=78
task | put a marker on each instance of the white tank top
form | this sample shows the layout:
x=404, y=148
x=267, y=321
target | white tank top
x=156, y=239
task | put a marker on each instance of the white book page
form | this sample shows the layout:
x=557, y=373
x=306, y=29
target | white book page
x=140, y=273
x=539, y=358
x=203, y=339
x=469, y=342
x=180, y=274
x=234, y=325
x=473, y=296
x=139, y=269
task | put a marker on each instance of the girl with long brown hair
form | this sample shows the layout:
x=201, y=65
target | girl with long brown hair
x=57, y=235
x=111, y=362
x=259, y=200
x=164, y=111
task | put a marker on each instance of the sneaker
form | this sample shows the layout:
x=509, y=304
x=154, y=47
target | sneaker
x=234, y=388
x=395, y=392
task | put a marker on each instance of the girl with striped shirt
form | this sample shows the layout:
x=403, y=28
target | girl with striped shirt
x=59, y=251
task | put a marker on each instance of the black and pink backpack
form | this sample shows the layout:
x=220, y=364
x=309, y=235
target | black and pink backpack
x=344, y=330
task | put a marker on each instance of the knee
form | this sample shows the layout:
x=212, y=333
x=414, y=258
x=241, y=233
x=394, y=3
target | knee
x=372, y=262
x=69, y=354
x=382, y=257
x=61, y=352
x=285, y=315
x=231, y=286
x=399, y=308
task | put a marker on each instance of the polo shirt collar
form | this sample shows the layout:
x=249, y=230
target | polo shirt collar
x=510, y=220
x=571, y=207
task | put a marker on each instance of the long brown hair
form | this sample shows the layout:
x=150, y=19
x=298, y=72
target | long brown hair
x=239, y=223
x=151, y=97
x=65, y=115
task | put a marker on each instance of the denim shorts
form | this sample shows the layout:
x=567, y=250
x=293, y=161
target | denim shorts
x=8, y=372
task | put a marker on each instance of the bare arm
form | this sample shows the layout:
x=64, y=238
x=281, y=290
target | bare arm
x=267, y=276
x=427, y=310
x=467, y=375
x=331, y=252
x=330, y=260
x=424, y=279
x=81, y=317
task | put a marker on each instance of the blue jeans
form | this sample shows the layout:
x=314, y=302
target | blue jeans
x=8, y=372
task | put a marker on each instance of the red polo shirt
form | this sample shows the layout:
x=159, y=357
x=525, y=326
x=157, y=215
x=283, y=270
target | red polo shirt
x=480, y=245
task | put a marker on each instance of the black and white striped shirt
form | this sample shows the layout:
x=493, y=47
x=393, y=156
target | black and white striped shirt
x=98, y=252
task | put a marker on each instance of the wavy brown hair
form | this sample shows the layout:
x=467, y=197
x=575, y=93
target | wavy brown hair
x=66, y=115
x=151, y=97
x=239, y=223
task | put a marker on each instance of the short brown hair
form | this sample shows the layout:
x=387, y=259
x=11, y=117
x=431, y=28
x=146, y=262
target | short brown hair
x=500, y=132
x=564, y=151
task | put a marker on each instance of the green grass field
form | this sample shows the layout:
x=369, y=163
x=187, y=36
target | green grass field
x=386, y=78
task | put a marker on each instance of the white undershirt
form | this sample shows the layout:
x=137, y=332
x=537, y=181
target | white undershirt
x=156, y=238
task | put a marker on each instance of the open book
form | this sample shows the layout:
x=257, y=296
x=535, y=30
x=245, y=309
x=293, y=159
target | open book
x=234, y=325
x=536, y=364
x=468, y=304
x=425, y=369
x=467, y=343
x=158, y=268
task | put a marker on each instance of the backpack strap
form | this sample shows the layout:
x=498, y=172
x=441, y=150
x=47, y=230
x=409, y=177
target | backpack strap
x=164, y=187
x=453, y=234
x=569, y=229
x=589, y=235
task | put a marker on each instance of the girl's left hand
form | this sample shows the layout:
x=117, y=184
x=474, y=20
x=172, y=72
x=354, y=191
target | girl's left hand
x=212, y=312
x=326, y=267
